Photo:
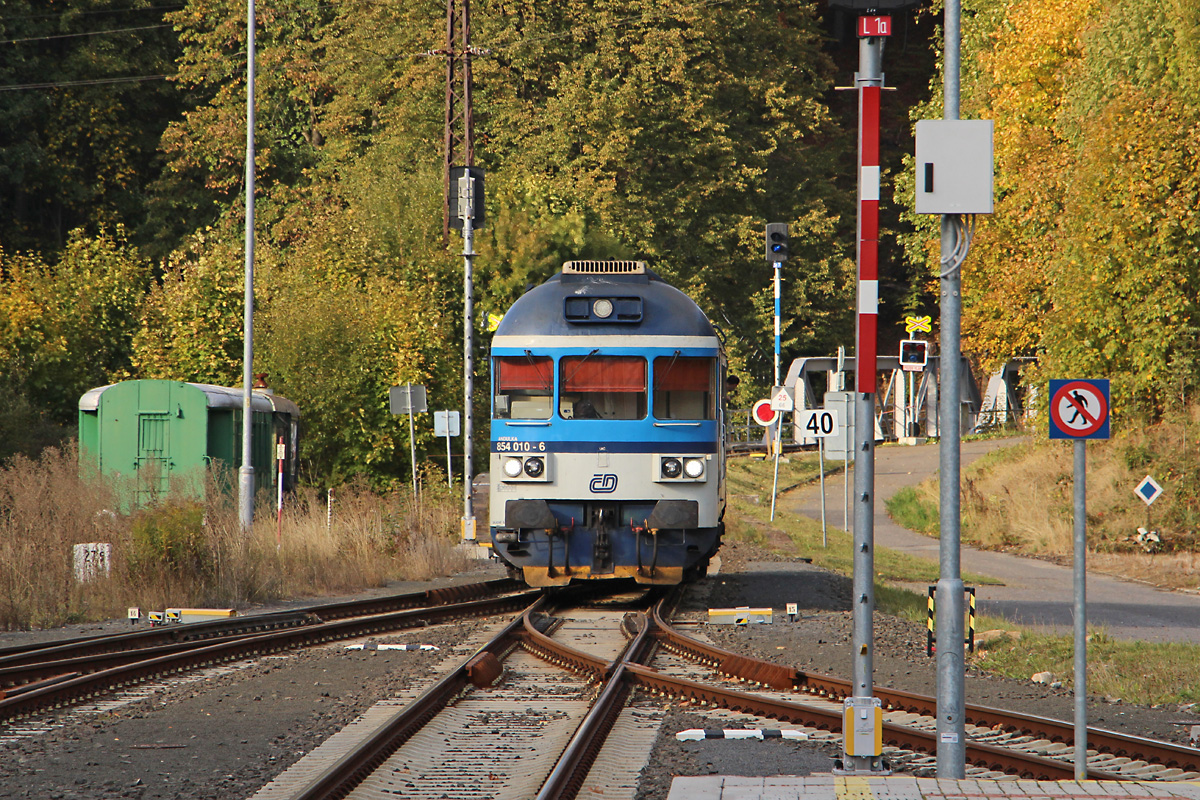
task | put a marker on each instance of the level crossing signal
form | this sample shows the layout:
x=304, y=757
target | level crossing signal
x=914, y=354
x=777, y=241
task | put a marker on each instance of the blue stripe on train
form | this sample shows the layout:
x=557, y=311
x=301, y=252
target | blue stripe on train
x=658, y=446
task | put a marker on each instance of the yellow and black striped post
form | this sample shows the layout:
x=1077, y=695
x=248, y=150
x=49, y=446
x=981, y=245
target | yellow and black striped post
x=930, y=607
x=971, y=619
x=929, y=647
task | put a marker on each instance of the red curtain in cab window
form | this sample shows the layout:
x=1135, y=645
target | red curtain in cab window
x=683, y=374
x=520, y=373
x=603, y=374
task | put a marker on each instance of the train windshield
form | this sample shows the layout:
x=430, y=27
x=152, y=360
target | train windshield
x=684, y=387
x=602, y=387
x=524, y=387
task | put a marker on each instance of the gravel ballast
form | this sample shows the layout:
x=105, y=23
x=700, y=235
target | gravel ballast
x=227, y=736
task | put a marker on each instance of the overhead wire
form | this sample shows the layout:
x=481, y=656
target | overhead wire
x=80, y=35
x=501, y=47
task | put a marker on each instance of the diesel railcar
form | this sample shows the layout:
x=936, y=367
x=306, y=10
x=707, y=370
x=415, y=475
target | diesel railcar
x=607, y=430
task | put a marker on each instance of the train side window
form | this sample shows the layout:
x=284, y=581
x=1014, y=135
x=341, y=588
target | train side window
x=602, y=387
x=524, y=387
x=684, y=387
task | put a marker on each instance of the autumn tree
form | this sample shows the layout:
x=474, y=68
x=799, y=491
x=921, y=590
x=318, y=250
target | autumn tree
x=1089, y=261
x=67, y=327
x=85, y=102
x=679, y=131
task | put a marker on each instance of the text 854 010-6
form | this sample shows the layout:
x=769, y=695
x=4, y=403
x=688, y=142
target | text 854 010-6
x=520, y=447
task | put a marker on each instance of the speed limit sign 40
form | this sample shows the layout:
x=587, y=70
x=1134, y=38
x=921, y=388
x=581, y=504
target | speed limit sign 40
x=818, y=423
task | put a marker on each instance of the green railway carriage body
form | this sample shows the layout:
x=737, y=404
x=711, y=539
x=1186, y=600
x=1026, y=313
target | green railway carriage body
x=164, y=434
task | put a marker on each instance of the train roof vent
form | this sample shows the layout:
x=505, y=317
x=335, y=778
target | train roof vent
x=604, y=268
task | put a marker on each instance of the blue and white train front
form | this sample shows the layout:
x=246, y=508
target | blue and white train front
x=607, y=433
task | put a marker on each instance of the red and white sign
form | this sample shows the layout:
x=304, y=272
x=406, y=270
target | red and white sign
x=1078, y=408
x=763, y=414
x=874, y=26
x=781, y=399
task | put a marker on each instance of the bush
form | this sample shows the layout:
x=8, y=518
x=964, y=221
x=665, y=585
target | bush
x=182, y=552
x=170, y=537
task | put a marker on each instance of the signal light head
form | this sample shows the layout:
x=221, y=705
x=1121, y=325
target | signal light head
x=777, y=241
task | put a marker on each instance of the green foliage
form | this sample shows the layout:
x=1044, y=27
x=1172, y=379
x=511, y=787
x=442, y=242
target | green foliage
x=679, y=130
x=911, y=510
x=24, y=428
x=78, y=155
x=68, y=327
x=630, y=129
x=1090, y=259
x=170, y=538
x=191, y=326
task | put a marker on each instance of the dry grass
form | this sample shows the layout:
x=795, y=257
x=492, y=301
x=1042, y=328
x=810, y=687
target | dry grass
x=1021, y=500
x=189, y=553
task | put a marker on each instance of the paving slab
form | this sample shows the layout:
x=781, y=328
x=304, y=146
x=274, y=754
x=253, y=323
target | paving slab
x=837, y=787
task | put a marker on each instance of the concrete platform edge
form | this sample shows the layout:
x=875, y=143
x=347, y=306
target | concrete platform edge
x=899, y=787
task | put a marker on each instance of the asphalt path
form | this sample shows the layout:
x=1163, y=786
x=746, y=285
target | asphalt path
x=1032, y=592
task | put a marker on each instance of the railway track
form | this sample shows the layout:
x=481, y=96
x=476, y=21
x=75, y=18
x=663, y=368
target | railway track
x=39, y=677
x=464, y=736
x=1112, y=755
x=545, y=691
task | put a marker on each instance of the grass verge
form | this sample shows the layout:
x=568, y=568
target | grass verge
x=1138, y=672
x=1149, y=673
x=749, y=519
x=187, y=552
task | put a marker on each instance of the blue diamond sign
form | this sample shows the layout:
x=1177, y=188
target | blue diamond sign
x=1148, y=490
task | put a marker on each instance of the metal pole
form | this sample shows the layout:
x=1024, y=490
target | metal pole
x=466, y=206
x=778, y=265
x=412, y=438
x=909, y=401
x=869, y=80
x=821, y=465
x=1080, y=577
x=449, y=462
x=279, y=495
x=951, y=747
x=846, y=479
x=246, y=471
x=778, y=446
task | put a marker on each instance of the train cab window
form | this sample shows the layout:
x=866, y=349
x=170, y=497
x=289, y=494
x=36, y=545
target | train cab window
x=602, y=387
x=684, y=387
x=524, y=387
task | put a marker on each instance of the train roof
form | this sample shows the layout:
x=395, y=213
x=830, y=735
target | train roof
x=215, y=397
x=642, y=303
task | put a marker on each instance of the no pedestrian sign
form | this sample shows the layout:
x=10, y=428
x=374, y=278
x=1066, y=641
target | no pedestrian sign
x=1079, y=409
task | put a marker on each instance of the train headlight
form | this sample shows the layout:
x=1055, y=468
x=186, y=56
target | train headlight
x=671, y=468
x=602, y=308
x=693, y=467
x=534, y=467
x=512, y=467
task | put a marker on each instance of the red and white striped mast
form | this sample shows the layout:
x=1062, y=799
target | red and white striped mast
x=862, y=754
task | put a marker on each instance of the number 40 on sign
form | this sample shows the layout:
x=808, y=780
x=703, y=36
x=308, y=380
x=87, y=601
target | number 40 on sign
x=818, y=423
